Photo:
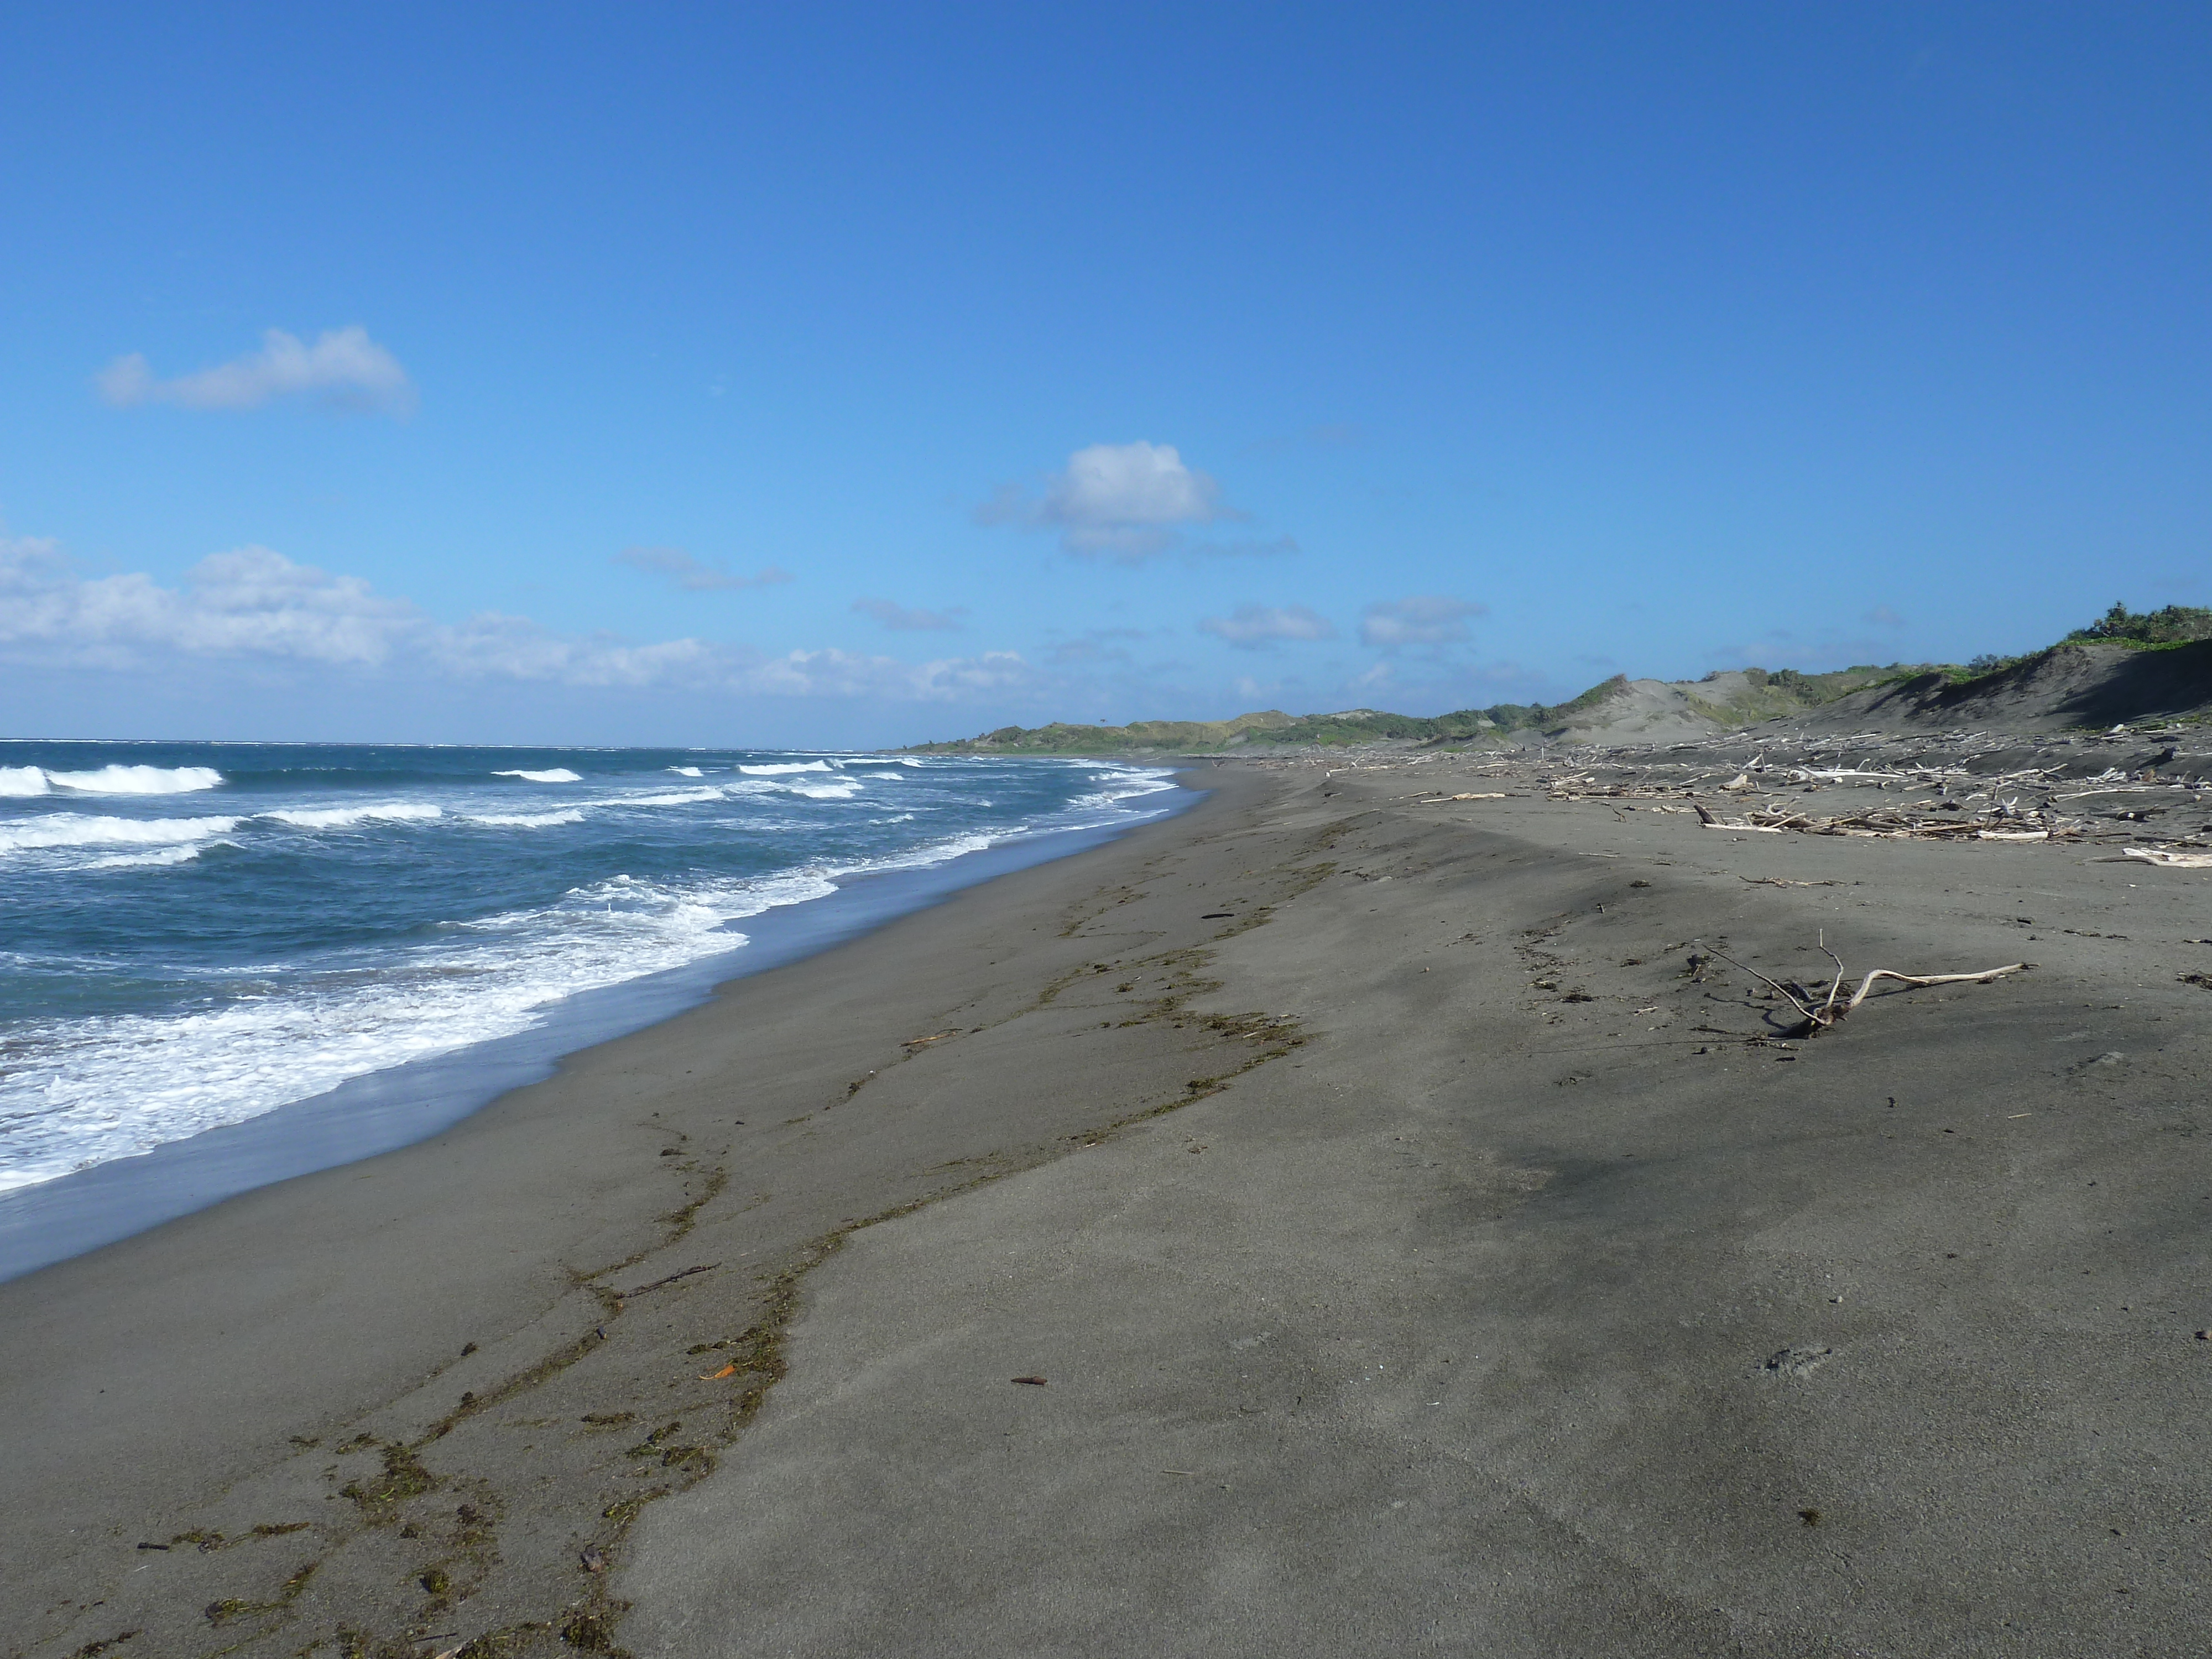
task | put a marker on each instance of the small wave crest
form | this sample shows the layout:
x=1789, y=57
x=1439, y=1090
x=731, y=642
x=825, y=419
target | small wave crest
x=136, y=780
x=687, y=771
x=669, y=797
x=554, y=774
x=339, y=818
x=779, y=771
x=527, y=820
x=79, y=829
x=145, y=861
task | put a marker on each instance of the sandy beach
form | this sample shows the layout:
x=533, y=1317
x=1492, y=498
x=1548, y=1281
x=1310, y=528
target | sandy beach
x=1339, y=1219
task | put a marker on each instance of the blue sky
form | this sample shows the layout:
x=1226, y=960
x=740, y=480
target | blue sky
x=844, y=374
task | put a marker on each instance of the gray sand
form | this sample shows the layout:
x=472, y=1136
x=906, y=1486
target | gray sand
x=1463, y=1276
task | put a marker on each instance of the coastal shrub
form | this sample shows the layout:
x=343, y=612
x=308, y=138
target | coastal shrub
x=2174, y=625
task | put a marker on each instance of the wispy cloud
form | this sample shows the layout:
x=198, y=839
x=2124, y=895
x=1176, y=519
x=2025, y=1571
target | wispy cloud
x=1425, y=619
x=902, y=620
x=254, y=605
x=1256, y=627
x=1128, y=502
x=1784, y=647
x=1094, y=646
x=690, y=574
x=344, y=369
x=1281, y=546
x=1882, y=617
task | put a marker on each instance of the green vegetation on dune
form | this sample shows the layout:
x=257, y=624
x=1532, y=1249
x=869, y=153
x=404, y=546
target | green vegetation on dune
x=1768, y=694
x=2176, y=624
x=2162, y=630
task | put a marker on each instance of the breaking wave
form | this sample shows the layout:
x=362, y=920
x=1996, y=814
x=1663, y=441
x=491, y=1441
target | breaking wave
x=76, y=830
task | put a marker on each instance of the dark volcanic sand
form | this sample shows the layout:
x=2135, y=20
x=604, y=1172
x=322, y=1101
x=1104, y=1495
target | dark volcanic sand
x=1542, y=1300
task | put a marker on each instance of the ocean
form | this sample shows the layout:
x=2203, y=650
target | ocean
x=196, y=935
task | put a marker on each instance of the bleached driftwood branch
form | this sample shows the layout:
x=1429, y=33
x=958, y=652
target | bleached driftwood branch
x=1832, y=1008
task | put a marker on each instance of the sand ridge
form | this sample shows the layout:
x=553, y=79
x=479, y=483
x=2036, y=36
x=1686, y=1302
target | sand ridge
x=1552, y=1299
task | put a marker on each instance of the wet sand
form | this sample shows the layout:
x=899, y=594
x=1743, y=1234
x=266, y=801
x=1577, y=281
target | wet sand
x=1417, y=1256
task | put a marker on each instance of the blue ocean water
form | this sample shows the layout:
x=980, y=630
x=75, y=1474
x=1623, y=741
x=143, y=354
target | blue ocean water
x=194, y=934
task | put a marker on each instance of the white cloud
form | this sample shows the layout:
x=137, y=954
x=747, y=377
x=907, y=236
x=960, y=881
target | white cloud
x=1254, y=627
x=256, y=605
x=848, y=674
x=1128, y=502
x=344, y=369
x=1426, y=619
x=900, y=619
x=690, y=574
x=249, y=602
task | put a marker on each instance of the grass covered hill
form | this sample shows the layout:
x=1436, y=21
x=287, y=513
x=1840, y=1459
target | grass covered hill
x=1740, y=697
x=2127, y=664
x=2127, y=668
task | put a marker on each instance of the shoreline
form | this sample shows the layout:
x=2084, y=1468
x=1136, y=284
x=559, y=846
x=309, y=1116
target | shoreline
x=1419, y=1251
x=249, y=1364
x=70, y=1215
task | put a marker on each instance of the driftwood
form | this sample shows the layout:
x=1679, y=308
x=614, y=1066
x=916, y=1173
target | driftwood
x=1712, y=823
x=1832, y=1008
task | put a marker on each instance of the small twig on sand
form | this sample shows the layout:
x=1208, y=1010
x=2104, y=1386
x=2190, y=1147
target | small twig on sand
x=1826, y=1016
x=1811, y=1018
x=705, y=1268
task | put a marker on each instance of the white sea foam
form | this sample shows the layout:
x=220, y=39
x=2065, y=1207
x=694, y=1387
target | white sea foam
x=78, y=829
x=340, y=817
x=1123, y=785
x=687, y=771
x=22, y=781
x=887, y=777
x=82, y=1091
x=527, y=820
x=935, y=852
x=79, y=1092
x=145, y=861
x=669, y=797
x=556, y=775
x=138, y=779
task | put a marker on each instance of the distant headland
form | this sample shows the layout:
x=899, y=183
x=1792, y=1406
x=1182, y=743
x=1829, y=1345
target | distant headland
x=2127, y=665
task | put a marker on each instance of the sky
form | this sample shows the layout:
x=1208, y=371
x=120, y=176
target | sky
x=856, y=375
